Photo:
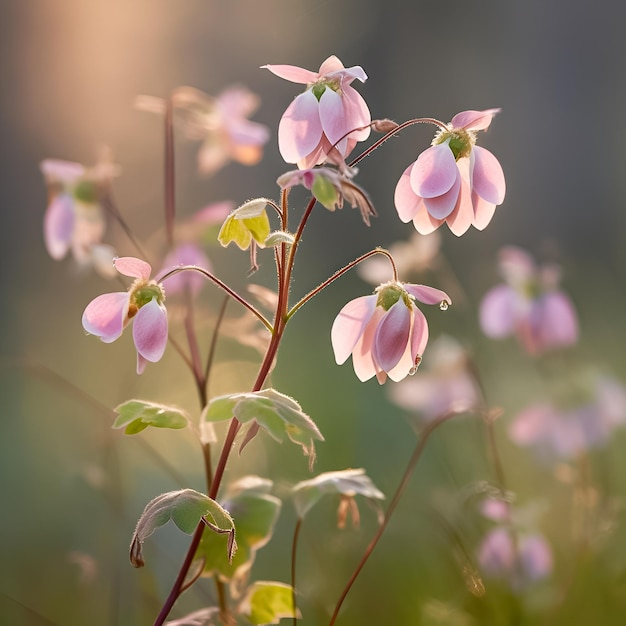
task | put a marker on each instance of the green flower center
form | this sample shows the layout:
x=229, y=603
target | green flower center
x=390, y=293
x=320, y=87
x=460, y=141
x=142, y=292
x=86, y=191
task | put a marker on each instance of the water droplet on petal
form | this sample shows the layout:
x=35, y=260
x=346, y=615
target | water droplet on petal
x=413, y=370
x=443, y=305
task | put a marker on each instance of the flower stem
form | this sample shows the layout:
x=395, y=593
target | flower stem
x=294, y=548
x=417, y=453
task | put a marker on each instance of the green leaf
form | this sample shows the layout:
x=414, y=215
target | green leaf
x=247, y=222
x=325, y=192
x=278, y=237
x=348, y=482
x=136, y=415
x=256, y=511
x=276, y=413
x=186, y=508
x=266, y=602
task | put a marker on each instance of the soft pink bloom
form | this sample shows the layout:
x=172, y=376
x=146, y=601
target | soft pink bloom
x=220, y=122
x=519, y=560
x=185, y=254
x=107, y=315
x=529, y=305
x=564, y=433
x=446, y=386
x=329, y=112
x=385, y=333
x=454, y=180
x=74, y=220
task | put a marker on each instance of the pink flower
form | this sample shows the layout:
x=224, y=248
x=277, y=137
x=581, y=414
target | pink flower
x=385, y=332
x=454, y=180
x=447, y=386
x=221, y=123
x=323, y=115
x=529, y=305
x=107, y=315
x=186, y=254
x=521, y=560
x=563, y=433
x=74, y=220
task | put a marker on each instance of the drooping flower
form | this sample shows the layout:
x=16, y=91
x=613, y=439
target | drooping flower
x=327, y=120
x=74, y=220
x=561, y=433
x=330, y=187
x=529, y=305
x=519, y=560
x=446, y=387
x=107, y=315
x=220, y=122
x=385, y=333
x=454, y=180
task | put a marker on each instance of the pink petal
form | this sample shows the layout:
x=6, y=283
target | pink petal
x=555, y=321
x=487, y=176
x=392, y=336
x=365, y=366
x=62, y=171
x=130, y=266
x=331, y=65
x=105, y=315
x=357, y=113
x=415, y=347
x=349, y=325
x=185, y=254
x=141, y=364
x=483, y=212
x=474, y=120
x=292, y=73
x=424, y=222
x=300, y=128
x=434, y=172
x=406, y=201
x=463, y=215
x=496, y=554
x=498, y=312
x=441, y=206
x=333, y=117
x=428, y=295
x=536, y=557
x=150, y=330
x=58, y=226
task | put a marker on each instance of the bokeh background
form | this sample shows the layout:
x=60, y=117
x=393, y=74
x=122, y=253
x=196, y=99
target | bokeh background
x=72, y=488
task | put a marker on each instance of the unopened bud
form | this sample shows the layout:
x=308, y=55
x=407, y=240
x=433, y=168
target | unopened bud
x=384, y=126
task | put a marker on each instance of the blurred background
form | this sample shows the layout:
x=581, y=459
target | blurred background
x=72, y=488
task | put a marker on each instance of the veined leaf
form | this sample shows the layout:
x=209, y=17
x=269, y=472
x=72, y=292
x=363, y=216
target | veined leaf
x=136, y=415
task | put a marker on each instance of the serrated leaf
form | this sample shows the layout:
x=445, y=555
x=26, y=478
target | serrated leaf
x=275, y=412
x=266, y=602
x=136, y=415
x=348, y=482
x=256, y=512
x=186, y=508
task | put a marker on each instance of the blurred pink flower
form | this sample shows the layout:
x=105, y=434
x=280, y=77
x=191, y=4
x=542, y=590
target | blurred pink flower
x=519, y=560
x=107, y=315
x=74, y=220
x=187, y=253
x=323, y=115
x=385, y=332
x=454, y=180
x=529, y=305
x=446, y=386
x=220, y=122
x=564, y=433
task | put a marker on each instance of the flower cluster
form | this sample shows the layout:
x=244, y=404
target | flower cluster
x=529, y=305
